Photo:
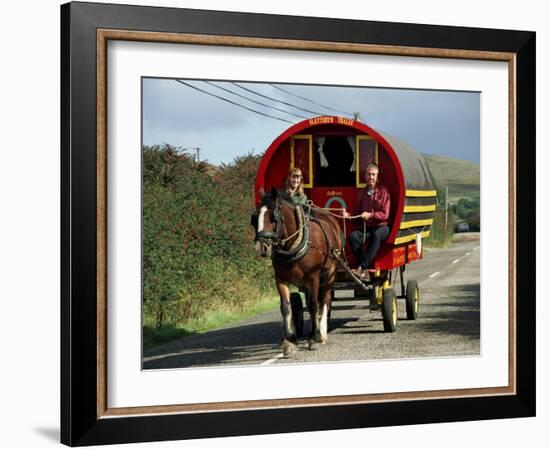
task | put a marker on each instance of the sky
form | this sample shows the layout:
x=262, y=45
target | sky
x=186, y=114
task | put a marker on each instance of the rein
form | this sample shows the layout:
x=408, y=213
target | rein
x=299, y=248
x=327, y=210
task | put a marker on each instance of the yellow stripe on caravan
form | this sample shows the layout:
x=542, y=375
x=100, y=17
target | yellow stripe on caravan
x=429, y=208
x=420, y=193
x=415, y=223
x=409, y=238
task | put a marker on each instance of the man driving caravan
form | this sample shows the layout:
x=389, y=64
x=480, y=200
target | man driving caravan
x=372, y=206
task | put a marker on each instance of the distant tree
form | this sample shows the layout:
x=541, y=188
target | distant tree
x=474, y=222
x=466, y=208
x=242, y=170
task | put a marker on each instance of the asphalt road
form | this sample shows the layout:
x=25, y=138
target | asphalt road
x=447, y=324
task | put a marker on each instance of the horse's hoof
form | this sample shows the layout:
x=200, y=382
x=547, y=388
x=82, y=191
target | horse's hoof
x=288, y=348
x=313, y=345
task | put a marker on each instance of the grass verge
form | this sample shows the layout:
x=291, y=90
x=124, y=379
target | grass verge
x=441, y=234
x=442, y=242
x=211, y=320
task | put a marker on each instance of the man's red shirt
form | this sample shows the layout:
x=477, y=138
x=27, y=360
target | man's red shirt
x=378, y=203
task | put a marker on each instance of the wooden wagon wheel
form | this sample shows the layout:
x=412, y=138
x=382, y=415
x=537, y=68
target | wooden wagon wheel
x=389, y=310
x=412, y=299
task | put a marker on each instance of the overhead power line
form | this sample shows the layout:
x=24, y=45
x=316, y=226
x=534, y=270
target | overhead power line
x=278, y=101
x=311, y=101
x=254, y=101
x=232, y=102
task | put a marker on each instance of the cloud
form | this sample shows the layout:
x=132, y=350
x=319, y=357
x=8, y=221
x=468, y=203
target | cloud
x=437, y=122
x=168, y=104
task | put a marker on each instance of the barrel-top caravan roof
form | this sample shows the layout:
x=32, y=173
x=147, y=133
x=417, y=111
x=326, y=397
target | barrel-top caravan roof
x=414, y=171
x=411, y=183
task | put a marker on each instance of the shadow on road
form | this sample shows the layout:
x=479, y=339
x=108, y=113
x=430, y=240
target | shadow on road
x=339, y=307
x=249, y=344
x=452, y=312
x=457, y=313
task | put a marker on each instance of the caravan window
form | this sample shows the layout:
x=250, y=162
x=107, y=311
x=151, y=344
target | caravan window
x=334, y=161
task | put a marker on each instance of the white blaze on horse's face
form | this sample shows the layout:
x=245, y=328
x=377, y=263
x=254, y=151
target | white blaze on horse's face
x=261, y=218
x=262, y=248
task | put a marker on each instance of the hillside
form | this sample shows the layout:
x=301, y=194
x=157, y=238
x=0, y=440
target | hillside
x=462, y=177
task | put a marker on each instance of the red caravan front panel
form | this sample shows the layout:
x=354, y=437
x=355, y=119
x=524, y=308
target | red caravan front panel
x=278, y=169
x=390, y=256
x=276, y=162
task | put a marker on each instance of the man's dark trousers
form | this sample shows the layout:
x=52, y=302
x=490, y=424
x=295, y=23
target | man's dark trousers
x=374, y=235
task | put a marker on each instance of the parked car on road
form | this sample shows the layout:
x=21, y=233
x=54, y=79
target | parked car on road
x=462, y=227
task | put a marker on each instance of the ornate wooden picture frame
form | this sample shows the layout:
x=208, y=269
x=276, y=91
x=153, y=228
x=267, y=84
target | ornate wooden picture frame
x=87, y=29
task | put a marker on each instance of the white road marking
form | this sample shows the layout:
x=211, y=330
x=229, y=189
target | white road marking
x=272, y=360
x=434, y=275
x=468, y=254
x=456, y=261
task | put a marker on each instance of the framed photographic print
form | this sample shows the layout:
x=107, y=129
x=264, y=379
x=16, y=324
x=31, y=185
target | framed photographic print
x=270, y=217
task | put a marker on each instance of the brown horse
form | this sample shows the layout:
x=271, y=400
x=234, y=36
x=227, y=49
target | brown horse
x=304, y=253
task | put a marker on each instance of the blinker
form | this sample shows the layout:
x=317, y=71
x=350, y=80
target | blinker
x=254, y=221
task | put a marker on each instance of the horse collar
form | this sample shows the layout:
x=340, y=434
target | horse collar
x=279, y=220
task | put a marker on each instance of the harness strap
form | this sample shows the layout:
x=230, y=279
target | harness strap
x=302, y=223
x=329, y=243
x=298, y=248
x=328, y=211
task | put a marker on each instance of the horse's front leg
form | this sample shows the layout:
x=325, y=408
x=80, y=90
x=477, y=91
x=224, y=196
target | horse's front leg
x=315, y=334
x=325, y=297
x=289, y=330
x=325, y=304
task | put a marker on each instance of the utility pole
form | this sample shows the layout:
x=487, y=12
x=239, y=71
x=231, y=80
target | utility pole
x=446, y=205
x=197, y=154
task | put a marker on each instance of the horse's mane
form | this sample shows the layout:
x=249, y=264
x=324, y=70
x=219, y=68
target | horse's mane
x=270, y=199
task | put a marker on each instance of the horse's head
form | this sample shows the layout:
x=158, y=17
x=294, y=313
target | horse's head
x=268, y=223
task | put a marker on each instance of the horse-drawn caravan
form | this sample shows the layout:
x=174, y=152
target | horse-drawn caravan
x=308, y=243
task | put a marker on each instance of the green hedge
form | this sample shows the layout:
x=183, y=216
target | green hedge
x=198, y=252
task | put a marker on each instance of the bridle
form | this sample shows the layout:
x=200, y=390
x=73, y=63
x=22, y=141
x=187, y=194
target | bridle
x=273, y=238
x=301, y=244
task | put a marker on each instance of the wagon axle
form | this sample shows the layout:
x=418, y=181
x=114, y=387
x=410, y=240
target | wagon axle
x=381, y=295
